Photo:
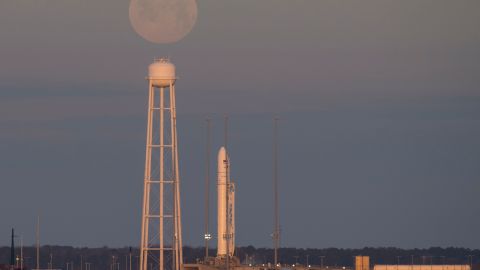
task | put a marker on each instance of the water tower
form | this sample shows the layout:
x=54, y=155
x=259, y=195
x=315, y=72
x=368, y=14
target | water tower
x=161, y=243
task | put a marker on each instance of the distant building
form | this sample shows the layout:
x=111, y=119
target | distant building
x=422, y=267
x=362, y=263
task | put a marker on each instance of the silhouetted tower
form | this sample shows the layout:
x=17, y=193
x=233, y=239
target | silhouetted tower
x=276, y=226
x=12, y=249
x=207, y=235
x=161, y=244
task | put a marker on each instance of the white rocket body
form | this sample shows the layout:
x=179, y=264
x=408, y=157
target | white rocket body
x=231, y=217
x=225, y=218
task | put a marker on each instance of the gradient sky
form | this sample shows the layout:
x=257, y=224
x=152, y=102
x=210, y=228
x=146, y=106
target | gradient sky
x=379, y=104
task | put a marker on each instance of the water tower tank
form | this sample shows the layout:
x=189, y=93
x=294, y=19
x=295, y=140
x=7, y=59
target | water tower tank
x=161, y=73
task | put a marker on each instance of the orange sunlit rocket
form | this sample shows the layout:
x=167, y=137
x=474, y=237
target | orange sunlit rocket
x=225, y=207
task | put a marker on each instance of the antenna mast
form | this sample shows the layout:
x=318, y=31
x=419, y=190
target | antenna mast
x=38, y=241
x=276, y=230
x=207, y=189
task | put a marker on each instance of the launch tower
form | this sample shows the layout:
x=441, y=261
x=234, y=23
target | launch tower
x=161, y=242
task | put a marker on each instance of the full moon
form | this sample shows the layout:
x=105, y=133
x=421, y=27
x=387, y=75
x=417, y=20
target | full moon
x=163, y=21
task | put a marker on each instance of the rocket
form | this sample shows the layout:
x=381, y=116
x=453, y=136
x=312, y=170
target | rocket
x=225, y=206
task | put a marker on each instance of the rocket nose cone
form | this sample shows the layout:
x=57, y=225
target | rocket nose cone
x=222, y=155
x=222, y=151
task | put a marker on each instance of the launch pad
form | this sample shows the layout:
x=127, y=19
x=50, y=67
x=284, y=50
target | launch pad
x=220, y=263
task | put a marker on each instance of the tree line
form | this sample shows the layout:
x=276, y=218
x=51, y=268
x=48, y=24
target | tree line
x=104, y=257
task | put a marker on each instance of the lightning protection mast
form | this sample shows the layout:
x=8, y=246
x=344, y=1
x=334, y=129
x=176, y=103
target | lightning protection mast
x=161, y=243
x=276, y=225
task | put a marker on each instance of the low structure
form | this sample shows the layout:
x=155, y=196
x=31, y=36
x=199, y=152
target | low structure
x=422, y=267
x=362, y=263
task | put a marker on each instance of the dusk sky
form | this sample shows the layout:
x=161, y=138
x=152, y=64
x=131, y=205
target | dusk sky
x=379, y=107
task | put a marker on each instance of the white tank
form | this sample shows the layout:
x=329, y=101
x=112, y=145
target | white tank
x=161, y=73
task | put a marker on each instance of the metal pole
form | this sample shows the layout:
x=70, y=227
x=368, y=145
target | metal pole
x=207, y=188
x=178, y=219
x=13, y=261
x=130, y=255
x=321, y=261
x=21, y=252
x=175, y=262
x=147, y=182
x=227, y=233
x=162, y=175
x=276, y=229
x=225, y=131
x=38, y=241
